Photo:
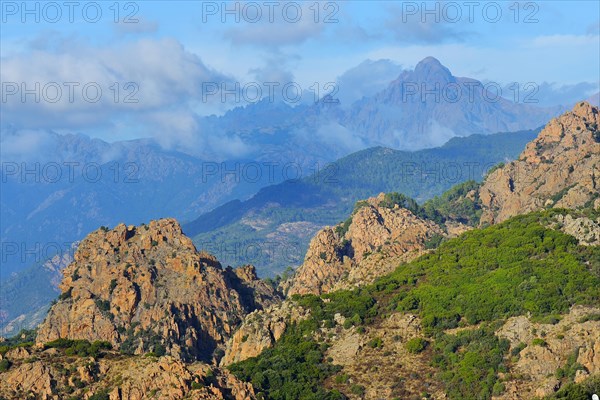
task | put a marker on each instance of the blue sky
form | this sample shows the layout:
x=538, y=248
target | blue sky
x=175, y=47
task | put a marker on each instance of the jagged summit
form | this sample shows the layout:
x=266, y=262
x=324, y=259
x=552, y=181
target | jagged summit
x=560, y=168
x=350, y=253
x=139, y=287
x=431, y=69
x=428, y=71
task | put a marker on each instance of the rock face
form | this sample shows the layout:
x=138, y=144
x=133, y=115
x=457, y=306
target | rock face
x=147, y=289
x=260, y=330
x=585, y=230
x=560, y=168
x=573, y=336
x=55, y=376
x=378, y=369
x=377, y=240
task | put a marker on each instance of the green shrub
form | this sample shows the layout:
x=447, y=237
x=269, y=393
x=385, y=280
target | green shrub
x=66, y=295
x=75, y=276
x=357, y=390
x=416, y=345
x=469, y=362
x=375, y=343
x=82, y=348
x=509, y=269
x=197, y=385
x=454, y=205
x=589, y=317
x=434, y=241
x=113, y=285
x=342, y=379
x=103, y=305
x=548, y=319
x=160, y=350
x=518, y=349
x=577, y=391
x=569, y=370
x=294, y=365
x=4, y=365
x=498, y=388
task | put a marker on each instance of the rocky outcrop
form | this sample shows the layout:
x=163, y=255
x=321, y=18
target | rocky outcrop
x=52, y=375
x=560, y=168
x=585, y=230
x=377, y=239
x=147, y=289
x=28, y=377
x=385, y=371
x=549, y=347
x=534, y=372
x=260, y=330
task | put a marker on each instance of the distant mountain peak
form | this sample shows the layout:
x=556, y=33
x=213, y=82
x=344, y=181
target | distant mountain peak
x=431, y=61
x=431, y=69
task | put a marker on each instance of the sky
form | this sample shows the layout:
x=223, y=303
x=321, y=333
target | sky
x=122, y=70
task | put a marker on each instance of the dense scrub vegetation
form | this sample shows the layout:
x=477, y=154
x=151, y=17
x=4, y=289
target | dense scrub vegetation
x=482, y=277
x=461, y=203
x=81, y=348
x=578, y=391
x=26, y=339
x=454, y=204
x=469, y=362
x=509, y=269
x=293, y=369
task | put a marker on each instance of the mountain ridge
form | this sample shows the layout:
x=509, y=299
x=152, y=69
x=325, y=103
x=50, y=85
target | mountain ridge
x=501, y=311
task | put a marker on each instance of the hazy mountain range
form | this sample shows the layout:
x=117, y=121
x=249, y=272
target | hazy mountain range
x=140, y=180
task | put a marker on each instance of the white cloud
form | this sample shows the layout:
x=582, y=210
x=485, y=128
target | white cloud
x=414, y=28
x=366, y=79
x=292, y=27
x=163, y=80
x=276, y=68
x=338, y=136
x=24, y=144
x=554, y=94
